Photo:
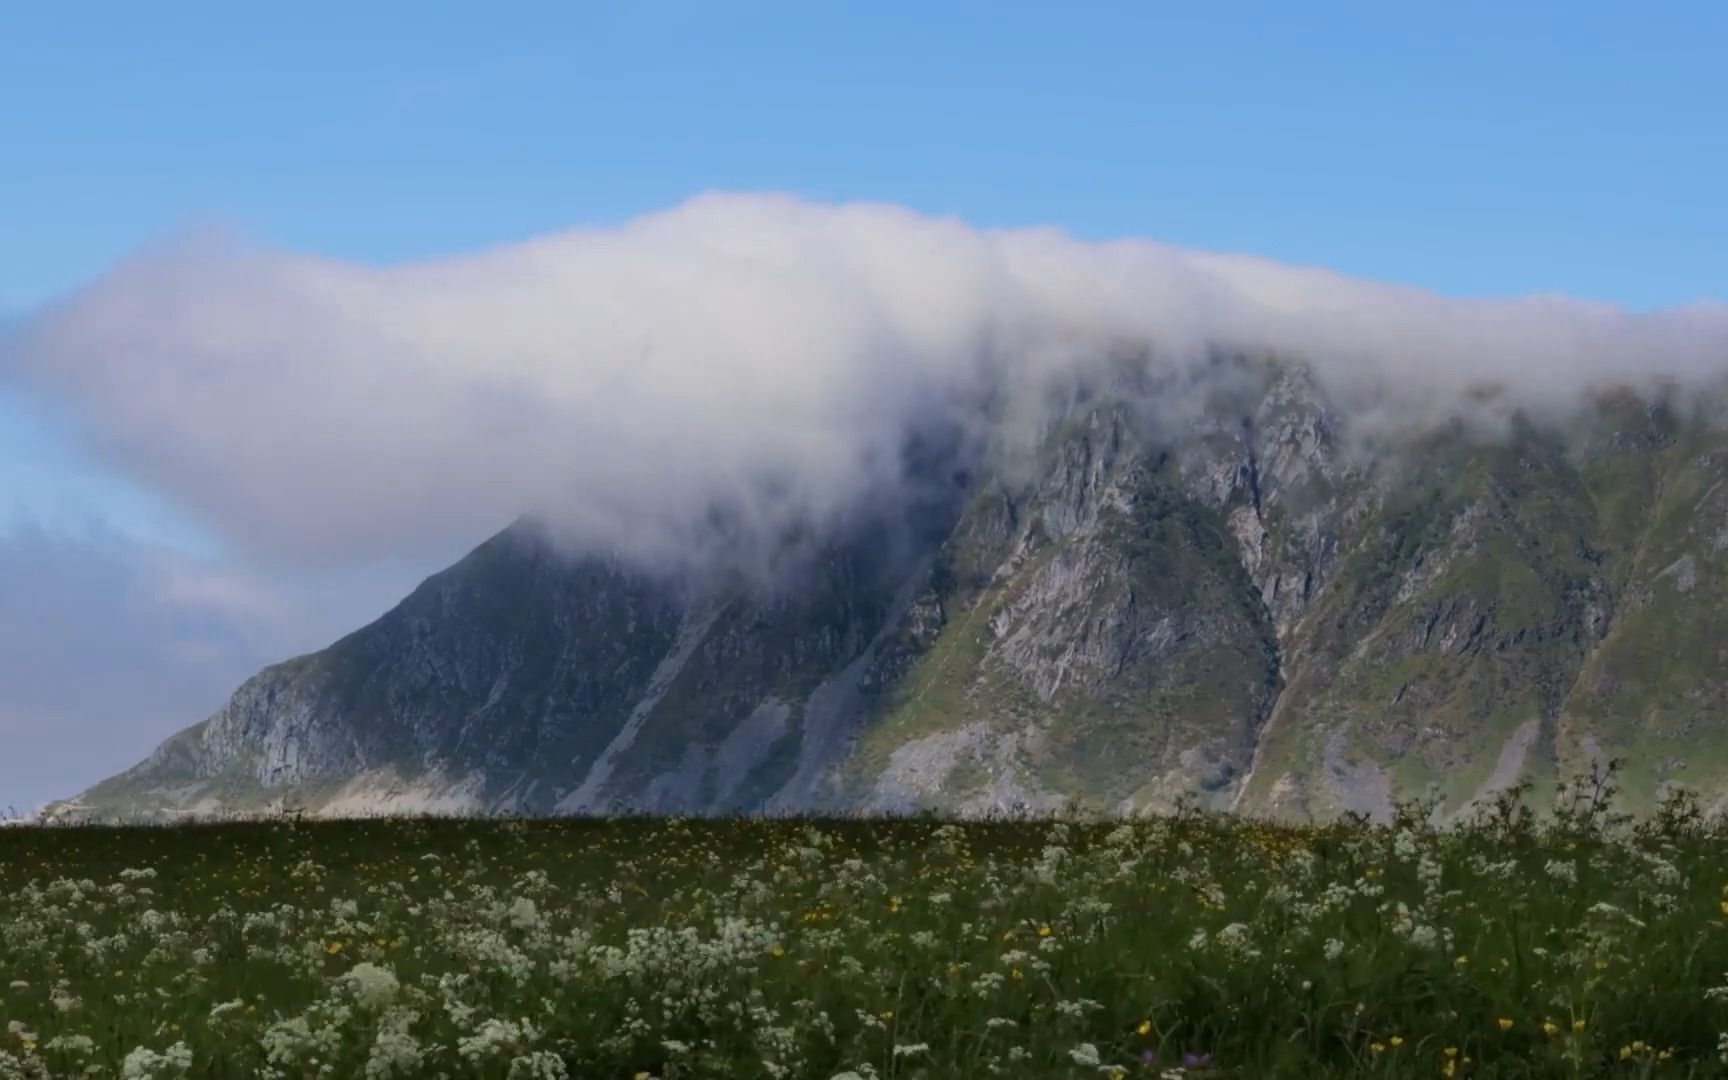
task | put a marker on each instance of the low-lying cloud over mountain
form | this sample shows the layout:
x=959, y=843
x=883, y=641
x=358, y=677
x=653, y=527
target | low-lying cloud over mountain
x=752, y=351
x=715, y=377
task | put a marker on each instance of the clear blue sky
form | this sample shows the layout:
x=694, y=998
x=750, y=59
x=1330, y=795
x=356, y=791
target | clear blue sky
x=1474, y=148
x=1478, y=148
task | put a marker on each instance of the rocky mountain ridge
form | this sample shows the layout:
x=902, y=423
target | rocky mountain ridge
x=1255, y=605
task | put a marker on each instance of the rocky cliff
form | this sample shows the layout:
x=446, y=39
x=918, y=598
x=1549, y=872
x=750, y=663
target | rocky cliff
x=1250, y=601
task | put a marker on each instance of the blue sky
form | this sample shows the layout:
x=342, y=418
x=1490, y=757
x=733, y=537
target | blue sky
x=1477, y=149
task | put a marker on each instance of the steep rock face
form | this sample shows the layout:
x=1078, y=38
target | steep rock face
x=1099, y=636
x=761, y=694
x=483, y=684
x=1655, y=689
x=1242, y=601
x=1459, y=617
x=526, y=679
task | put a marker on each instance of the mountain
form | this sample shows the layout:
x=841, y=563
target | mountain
x=1261, y=599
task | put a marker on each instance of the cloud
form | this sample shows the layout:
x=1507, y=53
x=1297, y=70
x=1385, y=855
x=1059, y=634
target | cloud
x=627, y=380
x=346, y=429
x=106, y=646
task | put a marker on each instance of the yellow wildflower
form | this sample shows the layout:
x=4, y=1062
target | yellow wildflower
x=1505, y=1023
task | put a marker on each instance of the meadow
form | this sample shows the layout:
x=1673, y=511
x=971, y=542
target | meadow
x=1567, y=944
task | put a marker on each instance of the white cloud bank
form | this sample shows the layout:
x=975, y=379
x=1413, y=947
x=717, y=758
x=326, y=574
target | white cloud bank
x=624, y=379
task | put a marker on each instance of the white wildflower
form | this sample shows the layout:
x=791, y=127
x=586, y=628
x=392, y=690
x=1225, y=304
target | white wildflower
x=1404, y=844
x=1237, y=940
x=71, y=1044
x=493, y=1037
x=395, y=1052
x=538, y=1065
x=372, y=986
x=524, y=915
x=146, y=1064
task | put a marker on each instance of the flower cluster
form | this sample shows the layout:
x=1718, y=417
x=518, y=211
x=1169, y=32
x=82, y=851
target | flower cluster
x=678, y=949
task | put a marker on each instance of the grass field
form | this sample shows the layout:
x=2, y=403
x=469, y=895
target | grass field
x=799, y=948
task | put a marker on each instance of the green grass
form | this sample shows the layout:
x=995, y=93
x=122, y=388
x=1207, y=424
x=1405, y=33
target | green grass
x=913, y=948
